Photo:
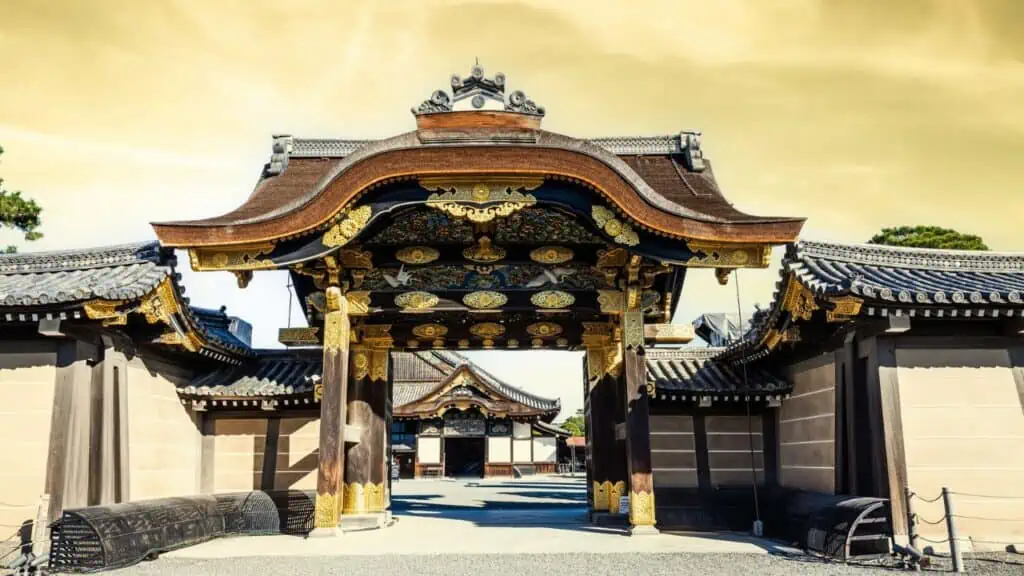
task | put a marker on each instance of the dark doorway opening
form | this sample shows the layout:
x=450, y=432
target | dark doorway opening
x=406, y=464
x=464, y=457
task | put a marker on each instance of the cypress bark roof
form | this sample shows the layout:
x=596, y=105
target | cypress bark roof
x=695, y=371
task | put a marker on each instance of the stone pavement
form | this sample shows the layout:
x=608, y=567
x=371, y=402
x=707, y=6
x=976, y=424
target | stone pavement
x=533, y=515
x=528, y=526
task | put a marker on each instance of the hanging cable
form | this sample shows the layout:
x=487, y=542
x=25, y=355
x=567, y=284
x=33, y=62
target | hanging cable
x=746, y=388
x=288, y=285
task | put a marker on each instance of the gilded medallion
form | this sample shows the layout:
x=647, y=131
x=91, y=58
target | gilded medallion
x=417, y=255
x=484, y=300
x=430, y=330
x=552, y=299
x=484, y=252
x=416, y=301
x=347, y=229
x=513, y=343
x=620, y=232
x=551, y=254
x=544, y=329
x=487, y=329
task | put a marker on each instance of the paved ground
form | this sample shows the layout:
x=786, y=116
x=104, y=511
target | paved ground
x=527, y=526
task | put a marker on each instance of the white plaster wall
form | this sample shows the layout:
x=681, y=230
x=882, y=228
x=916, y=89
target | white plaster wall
x=963, y=427
x=26, y=403
x=545, y=449
x=238, y=452
x=164, y=445
x=522, y=429
x=521, y=451
x=428, y=450
x=499, y=450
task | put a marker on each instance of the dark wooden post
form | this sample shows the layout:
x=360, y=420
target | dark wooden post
x=638, y=427
x=600, y=415
x=365, y=467
x=332, y=391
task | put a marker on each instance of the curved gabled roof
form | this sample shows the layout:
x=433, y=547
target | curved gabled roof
x=661, y=182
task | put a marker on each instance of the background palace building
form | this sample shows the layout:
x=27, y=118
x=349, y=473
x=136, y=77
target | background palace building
x=873, y=369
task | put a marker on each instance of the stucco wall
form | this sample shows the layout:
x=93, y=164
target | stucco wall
x=499, y=450
x=163, y=441
x=238, y=449
x=27, y=376
x=963, y=427
x=807, y=427
x=297, y=445
x=545, y=449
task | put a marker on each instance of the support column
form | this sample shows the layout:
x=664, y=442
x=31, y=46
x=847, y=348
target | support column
x=365, y=504
x=638, y=426
x=333, y=392
x=603, y=368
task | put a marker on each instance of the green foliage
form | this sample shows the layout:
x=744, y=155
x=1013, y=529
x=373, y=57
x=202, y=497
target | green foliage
x=575, y=424
x=928, y=237
x=21, y=214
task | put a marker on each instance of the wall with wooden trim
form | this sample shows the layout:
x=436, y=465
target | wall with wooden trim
x=297, y=442
x=963, y=427
x=735, y=449
x=164, y=442
x=673, y=455
x=807, y=427
x=238, y=450
x=27, y=376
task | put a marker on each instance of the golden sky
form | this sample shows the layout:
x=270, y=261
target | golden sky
x=856, y=114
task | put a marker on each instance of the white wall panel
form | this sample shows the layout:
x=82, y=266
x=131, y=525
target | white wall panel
x=545, y=449
x=428, y=450
x=499, y=450
x=521, y=451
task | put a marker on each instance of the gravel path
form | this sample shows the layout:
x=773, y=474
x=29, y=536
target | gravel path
x=532, y=564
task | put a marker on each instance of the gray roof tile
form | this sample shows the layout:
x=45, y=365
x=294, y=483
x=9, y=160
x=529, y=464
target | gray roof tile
x=123, y=272
x=694, y=370
x=286, y=372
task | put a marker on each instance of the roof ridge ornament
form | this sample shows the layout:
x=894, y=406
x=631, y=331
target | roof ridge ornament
x=478, y=89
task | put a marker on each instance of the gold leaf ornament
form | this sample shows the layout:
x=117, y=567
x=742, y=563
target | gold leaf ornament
x=551, y=254
x=487, y=330
x=417, y=255
x=552, y=299
x=347, y=229
x=484, y=300
x=620, y=232
x=544, y=329
x=415, y=301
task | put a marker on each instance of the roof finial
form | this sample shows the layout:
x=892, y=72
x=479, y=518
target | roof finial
x=478, y=89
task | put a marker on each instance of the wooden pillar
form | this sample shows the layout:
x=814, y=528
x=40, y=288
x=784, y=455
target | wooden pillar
x=638, y=427
x=333, y=392
x=365, y=464
x=603, y=368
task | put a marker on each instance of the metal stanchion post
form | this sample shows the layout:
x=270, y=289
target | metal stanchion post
x=954, y=543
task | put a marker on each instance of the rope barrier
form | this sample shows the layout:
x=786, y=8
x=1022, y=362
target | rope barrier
x=6, y=505
x=989, y=519
x=930, y=541
x=995, y=497
x=926, y=521
x=923, y=499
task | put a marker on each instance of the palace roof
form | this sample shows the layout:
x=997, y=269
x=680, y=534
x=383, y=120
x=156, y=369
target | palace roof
x=109, y=283
x=847, y=281
x=662, y=182
x=283, y=373
x=694, y=371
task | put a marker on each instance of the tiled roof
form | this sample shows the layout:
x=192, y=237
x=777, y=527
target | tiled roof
x=51, y=283
x=287, y=372
x=124, y=272
x=273, y=373
x=552, y=429
x=904, y=277
x=216, y=325
x=694, y=371
x=891, y=281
